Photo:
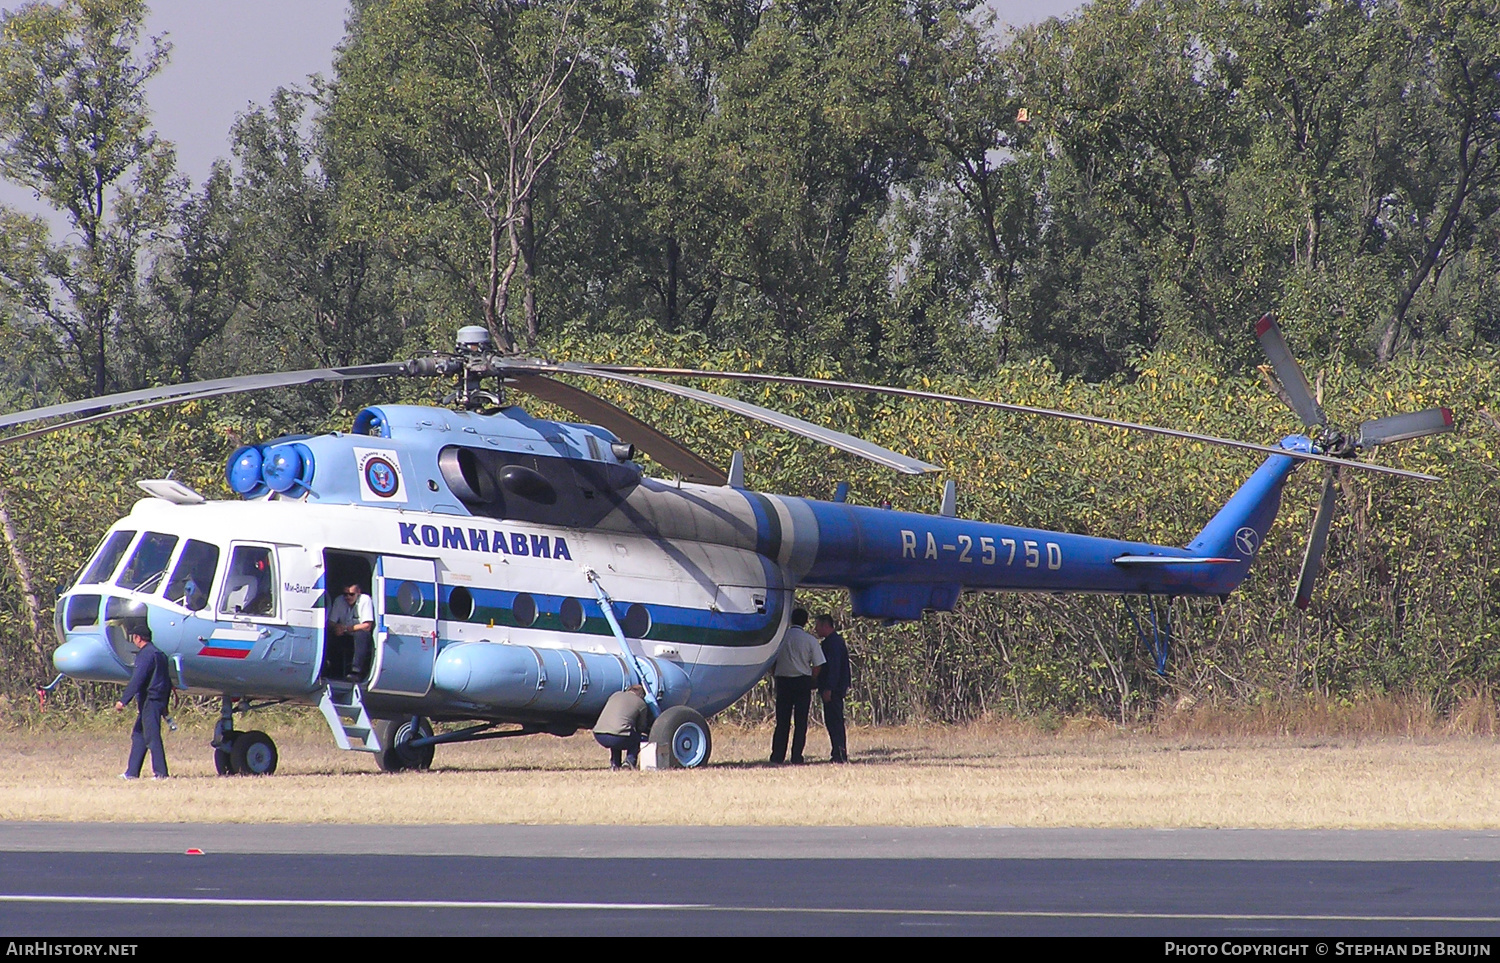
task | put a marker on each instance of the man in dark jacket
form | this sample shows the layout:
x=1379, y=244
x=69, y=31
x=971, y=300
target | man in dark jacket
x=624, y=722
x=150, y=687
x=834, y=685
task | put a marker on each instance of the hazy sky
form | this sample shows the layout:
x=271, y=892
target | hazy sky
x=229, y=54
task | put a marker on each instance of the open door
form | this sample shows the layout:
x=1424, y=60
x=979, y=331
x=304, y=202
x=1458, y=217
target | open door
x=406, y=618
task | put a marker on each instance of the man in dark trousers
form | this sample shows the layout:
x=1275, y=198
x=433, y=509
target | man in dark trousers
x=834, y=684
x=624, y=722
x=796, y=673
x=150, y=688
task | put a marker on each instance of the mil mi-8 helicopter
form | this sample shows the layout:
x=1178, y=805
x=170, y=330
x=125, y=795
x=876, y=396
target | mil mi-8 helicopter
x=523, y=570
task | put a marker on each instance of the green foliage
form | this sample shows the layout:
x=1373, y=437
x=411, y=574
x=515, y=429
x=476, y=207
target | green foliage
x=1083, y=216
x=75, y=128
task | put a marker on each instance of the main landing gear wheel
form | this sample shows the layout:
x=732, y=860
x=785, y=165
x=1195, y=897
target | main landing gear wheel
x=682, y=739
x=224, y=762
x=396, y=752
x=253, y=754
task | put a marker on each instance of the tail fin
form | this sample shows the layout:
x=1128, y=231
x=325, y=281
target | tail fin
x=1240, y=527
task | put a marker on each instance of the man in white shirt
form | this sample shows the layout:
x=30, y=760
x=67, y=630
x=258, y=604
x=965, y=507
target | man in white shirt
x=796, y=672
x=352, y=615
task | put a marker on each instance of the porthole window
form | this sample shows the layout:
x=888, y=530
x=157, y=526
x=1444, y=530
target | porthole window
x=523, y=610
x=460, y=604
x=572, y=615
x=409, y=598
x=637, y=621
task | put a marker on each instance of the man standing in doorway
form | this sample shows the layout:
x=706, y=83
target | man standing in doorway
x=150, y=687
x=796, y=671
x=834, y=684
x=352, y=615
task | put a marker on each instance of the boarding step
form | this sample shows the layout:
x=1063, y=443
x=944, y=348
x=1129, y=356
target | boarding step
x=346, y=715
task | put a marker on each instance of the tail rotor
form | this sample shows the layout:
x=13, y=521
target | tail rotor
x=1327, y=439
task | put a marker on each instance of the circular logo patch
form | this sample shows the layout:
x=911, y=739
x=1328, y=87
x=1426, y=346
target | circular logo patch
x=381, y=476
x=1246, y=540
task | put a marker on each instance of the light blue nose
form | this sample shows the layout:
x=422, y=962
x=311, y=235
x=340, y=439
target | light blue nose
x=89, y=658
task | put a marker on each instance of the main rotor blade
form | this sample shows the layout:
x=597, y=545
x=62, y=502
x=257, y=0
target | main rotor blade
x=1017, y=409
x=1417, y=424
x=826, y=436
x=103, y=415
x=668, y=452
x=1289, y=372
x=201, y=389
x=1318, y=540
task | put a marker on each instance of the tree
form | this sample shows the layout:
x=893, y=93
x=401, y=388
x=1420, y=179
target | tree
x=1458, y=54
x=456, y=108
x=76, y=131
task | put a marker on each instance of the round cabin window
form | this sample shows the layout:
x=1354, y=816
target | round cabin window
x=523, y=610
x=460, y=604
x=572, y=615
x=637, y=621
x=409, y=598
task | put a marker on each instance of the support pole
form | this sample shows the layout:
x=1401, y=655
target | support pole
x=608, y=605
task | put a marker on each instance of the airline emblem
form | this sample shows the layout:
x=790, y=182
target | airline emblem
x=379, y=475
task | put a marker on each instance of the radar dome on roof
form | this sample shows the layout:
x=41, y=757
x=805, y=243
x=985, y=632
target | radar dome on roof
x=473, y=336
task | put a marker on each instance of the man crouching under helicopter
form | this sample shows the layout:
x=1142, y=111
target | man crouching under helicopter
x=621, y=726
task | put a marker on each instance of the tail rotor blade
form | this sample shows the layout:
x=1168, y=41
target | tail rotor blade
x=1289, y=373
x=1318, y=540
x=1418, y=424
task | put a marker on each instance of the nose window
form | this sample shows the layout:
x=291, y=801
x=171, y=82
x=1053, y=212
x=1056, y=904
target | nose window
x=83, y=610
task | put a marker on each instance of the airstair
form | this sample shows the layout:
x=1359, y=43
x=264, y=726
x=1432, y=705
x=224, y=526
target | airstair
x=346, y=715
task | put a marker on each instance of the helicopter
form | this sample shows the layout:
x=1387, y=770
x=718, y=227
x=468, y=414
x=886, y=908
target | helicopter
x=522, y=570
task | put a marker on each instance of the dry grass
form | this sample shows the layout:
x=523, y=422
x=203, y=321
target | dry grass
x=1203, y=768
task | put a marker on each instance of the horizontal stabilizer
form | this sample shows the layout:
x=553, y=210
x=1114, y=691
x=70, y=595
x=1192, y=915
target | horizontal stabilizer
x=1172, y=560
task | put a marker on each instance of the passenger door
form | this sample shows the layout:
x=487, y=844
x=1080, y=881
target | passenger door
x=406, y=619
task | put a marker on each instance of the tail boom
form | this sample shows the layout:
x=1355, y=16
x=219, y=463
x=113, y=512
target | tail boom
x=899, y=564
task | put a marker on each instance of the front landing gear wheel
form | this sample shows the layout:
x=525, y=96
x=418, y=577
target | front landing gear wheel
x=682, y=739
x=224, y=762
x=253, y=754
x=396, y=752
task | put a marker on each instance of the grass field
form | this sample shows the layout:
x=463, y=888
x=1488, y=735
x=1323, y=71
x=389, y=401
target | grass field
x=1389, y=770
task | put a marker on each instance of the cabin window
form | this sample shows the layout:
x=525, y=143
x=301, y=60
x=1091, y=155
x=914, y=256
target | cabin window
x=572, y=615
x=108, y=556
x=637, y=621
x=250, y=586
x=409, y=599
x=148, y=563
x=193, y=575
x=523, y=610
x=460, y=604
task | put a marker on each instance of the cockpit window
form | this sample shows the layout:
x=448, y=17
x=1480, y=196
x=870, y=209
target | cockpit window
x=193, y=575
x=148, y=563
x=108, y=556
x=250, y=586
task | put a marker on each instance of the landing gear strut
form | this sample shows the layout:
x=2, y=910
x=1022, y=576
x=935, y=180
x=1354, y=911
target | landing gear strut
x=237, y=753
